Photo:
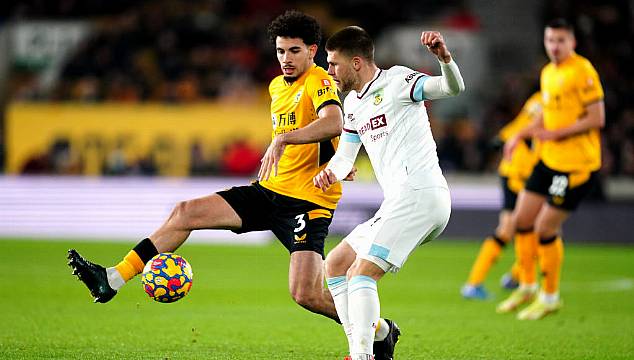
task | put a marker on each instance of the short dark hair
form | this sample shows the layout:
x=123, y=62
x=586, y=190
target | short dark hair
x=352, y=41
x=560, y=23
x=295, y=24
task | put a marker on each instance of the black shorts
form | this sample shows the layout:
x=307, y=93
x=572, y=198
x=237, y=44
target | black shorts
x=509, y=197
x=298, y=224
x=564, y=190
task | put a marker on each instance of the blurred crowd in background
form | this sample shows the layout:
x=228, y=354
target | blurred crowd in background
x=190, y=51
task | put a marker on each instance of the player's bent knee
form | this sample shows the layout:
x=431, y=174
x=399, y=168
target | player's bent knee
x=369, y=265
x=505, y=231
x=331, y=268
x=339, y=260
x=523, y=222
x=181, y=216
x=546, y=230
x=334, y=266
x=180, y=210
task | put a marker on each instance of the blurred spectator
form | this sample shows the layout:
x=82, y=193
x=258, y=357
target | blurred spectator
x=63, y=159
x=188, y=51
x=145, y=166
x=116, y=162
x=37, y=164
x=461, y=17
x=240, y=158
x=59, y=159
x=199, y=163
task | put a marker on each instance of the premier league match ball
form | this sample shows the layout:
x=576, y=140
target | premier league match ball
x=167, y=277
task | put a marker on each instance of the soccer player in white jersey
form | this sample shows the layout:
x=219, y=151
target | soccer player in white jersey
x=384, y=111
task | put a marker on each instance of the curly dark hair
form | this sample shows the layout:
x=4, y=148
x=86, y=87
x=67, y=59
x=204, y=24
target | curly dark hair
x=295, y=24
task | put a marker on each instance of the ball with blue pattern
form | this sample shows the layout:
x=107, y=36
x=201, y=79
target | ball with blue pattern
x=167, y=277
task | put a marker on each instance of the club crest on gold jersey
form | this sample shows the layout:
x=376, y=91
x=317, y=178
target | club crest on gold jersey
x=298, y=96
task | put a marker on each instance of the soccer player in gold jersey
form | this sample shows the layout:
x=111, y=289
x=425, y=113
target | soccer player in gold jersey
x=307, y=120
x=513, y=174
x=569, y=160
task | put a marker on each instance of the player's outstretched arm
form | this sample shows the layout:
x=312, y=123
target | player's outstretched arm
x=328, y=126
x=450, y=83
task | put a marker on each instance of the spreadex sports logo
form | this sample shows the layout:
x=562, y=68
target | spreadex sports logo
x=376, y=122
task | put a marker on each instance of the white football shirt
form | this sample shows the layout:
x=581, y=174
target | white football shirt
x=394, y=129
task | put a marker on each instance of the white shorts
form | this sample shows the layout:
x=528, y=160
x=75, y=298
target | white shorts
x=402, y=223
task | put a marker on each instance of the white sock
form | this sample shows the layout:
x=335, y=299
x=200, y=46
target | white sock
x=382, y=330
x=363, y=311
x=338, y=287
x=549, y=298
x=528, y=287
x=363, y=357
x=115, y=280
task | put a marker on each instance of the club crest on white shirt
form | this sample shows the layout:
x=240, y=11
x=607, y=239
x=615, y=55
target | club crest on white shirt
x=378, y=97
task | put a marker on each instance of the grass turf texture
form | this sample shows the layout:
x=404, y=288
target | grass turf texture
x=239, y=308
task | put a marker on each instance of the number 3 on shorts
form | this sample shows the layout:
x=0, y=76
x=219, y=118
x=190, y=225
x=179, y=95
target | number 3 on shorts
x=558, y=186
x=301, y=223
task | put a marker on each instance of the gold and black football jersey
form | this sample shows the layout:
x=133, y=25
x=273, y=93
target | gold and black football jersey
x=567, y=89
x=525, y=155
x=295, y=105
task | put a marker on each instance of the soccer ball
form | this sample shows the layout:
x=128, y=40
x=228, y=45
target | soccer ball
x=167, y=277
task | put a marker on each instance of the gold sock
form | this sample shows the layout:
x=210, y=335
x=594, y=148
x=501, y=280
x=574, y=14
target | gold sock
x=489, y=253
x=131, y=266
x=526, y=256
x=515, y=271
x=551, y=255
x=135, y=261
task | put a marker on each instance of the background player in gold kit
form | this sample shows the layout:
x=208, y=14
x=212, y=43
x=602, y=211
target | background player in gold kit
x=513, y=174
x=569, y=160
x=307, y=119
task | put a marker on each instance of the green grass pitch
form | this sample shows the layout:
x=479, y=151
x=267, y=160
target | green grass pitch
x=239, y=308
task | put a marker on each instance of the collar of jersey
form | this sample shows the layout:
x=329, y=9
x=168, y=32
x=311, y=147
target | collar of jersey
x=568, y=61
x=367, y=86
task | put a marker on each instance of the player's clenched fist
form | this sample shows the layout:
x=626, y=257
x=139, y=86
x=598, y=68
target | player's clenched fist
x=436, y=45
x=325, y=179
